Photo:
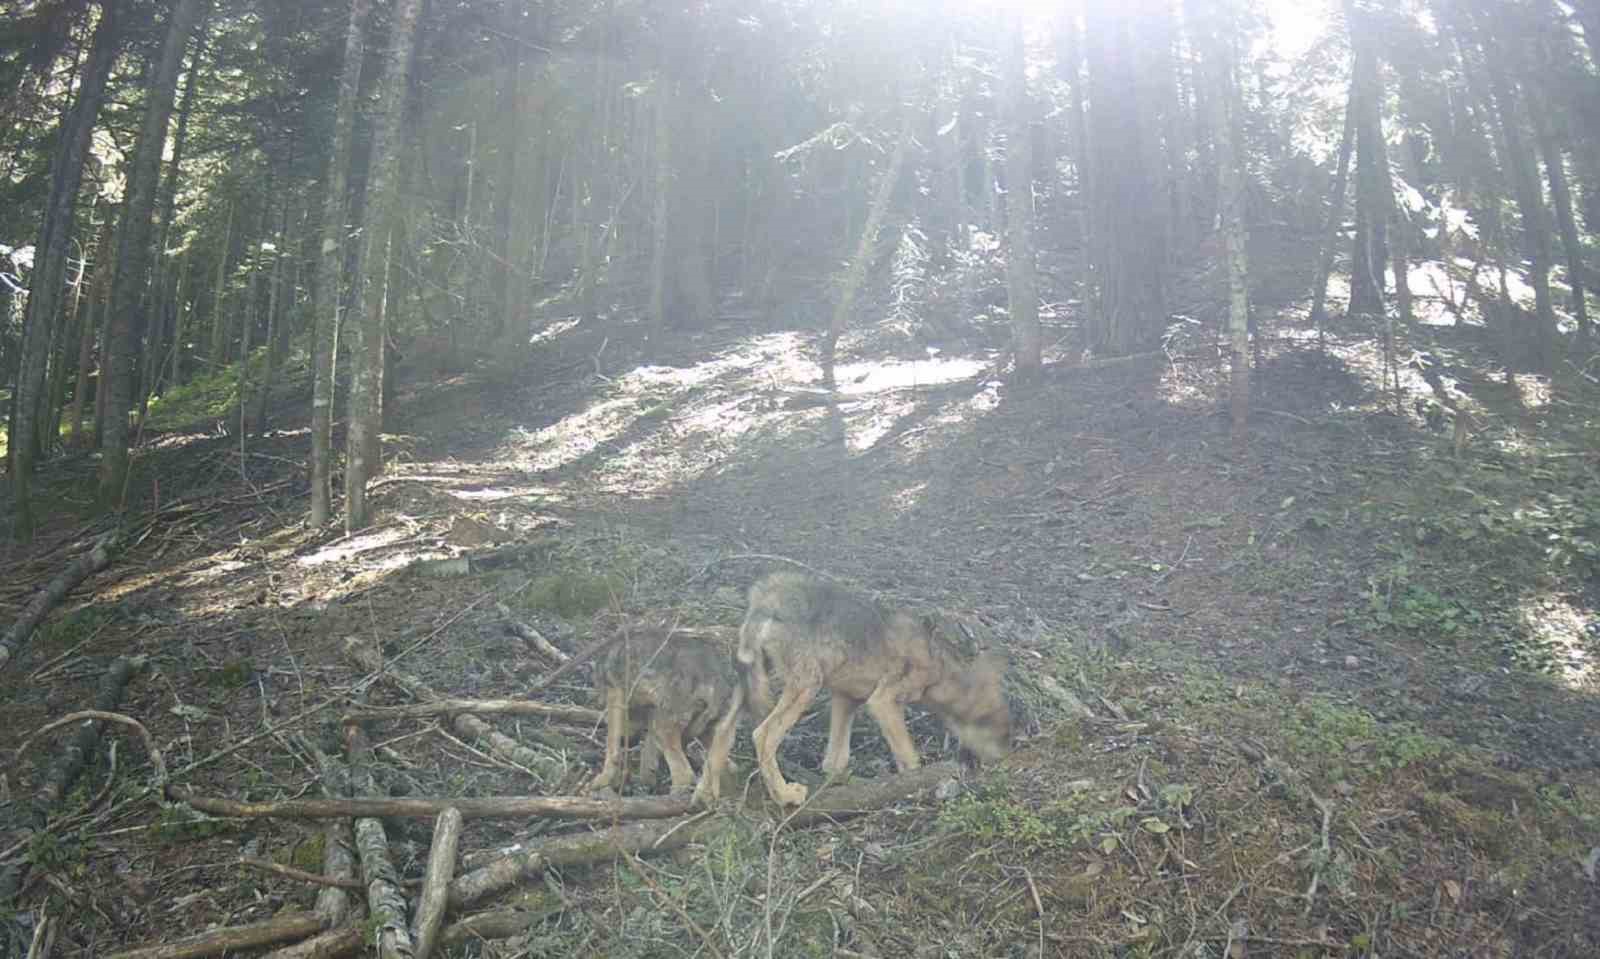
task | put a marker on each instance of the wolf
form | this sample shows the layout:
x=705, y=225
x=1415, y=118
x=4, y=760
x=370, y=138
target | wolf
x=816, y=635
x=675, y=683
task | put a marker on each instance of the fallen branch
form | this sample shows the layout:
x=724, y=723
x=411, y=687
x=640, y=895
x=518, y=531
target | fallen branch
x=144, y=734
x=80, y=569
x=653, y=838
x=481, y=562
x=386, y=906
x=530, y=635
x=471, y=727
x=58, y=782
x=507, y=707
x=342, y=941
x=434, y=897
x=280, y=928
x=338, y=863
x=481, y=807
x=298, y=875
x=500, y=924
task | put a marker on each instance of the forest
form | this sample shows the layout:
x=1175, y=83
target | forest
x=378, y=373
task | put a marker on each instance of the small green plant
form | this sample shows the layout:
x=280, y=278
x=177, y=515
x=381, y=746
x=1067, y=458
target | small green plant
x=49, y=851
x=573, y=594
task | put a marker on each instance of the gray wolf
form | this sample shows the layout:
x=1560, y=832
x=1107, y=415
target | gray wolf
x=816, y=635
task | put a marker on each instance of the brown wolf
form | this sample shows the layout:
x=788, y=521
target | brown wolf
x=816, y=635
x=675, y=683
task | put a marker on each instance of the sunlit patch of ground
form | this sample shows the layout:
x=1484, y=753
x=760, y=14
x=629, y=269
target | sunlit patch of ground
x=1556, y=626
x=696, y=415
x=575, y=436
x=856, y=379
x=553, y=330
x=1533, y=391
x=347, y=549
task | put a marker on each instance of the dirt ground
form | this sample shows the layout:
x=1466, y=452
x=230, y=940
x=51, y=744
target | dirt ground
x=1334, y=700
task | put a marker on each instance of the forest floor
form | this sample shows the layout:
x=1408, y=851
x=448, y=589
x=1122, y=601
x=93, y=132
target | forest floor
x=1336, y=699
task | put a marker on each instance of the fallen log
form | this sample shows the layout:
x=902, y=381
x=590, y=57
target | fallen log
x=215, y=942
x=343, y=941
x=97, y=558
x=530, y=636
x=338, y=862
x=445, y=707
x=498, y=924
x=471, y=727
x=386, y=905
x=653, y=838
x=481, y=807
x=433, y=899
x=60, y=779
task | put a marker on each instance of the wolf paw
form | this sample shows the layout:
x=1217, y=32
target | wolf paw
x=792, y=794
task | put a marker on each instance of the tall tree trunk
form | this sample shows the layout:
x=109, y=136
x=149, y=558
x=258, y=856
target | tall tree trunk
x=180, y=318
x=218, y=354
x=274, y=304
x=505, y=190
x=161, y=307
x=1078, y=136
x=1021, y=292
x=330, y=259
x=1561, y=193
x=1221, y=61
x=133, y=251
x=366, y=387
x=1522, y=168
x=1374, y=194
x=99, y=292
x=50, y=261
x=1126, y=223
x=856, y=272
x=1335, y=223
x=66, y=351
x=662, y=192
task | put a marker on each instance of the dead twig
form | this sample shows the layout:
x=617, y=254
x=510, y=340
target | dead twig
x=298, y=875
x=479, y=807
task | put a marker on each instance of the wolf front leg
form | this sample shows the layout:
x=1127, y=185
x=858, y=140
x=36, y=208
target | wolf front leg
x=836, y=761
x=769, y=736
x=615, y=769
x=709, y=789
x=884, y=705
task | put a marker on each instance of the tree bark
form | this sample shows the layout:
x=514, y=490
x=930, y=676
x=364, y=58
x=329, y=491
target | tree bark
x=435, y=895
x=1535, y=221
x=1561, y=193
x=1078, y=135
x=50, y=265
x=330, y=258
x=856, y=271
x=218, y=354
x=1335, y=223
x=382, y=202
x=1226, y=127
x=1126, y=226
x=163, y=303
x=133, y=252
x=505, y=184
x=1374, y=196
x=1021, y=287
x=99, y=293
x=663, y=190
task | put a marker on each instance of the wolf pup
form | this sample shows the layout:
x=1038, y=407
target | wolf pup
x=675, y=684
x=816, y=635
